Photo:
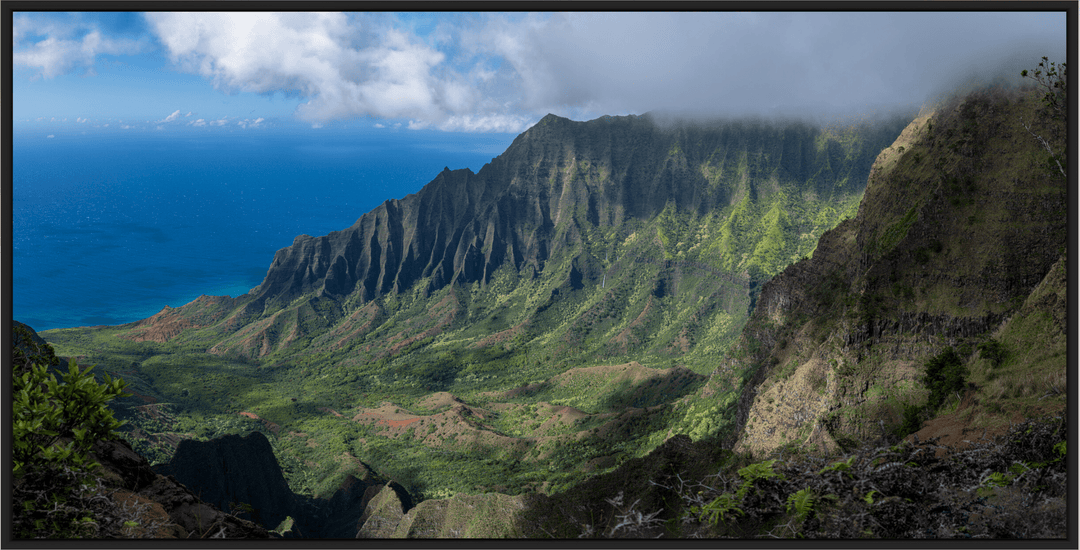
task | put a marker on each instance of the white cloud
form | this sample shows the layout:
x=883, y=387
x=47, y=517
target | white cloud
x=187, y=115
x=248, y=123
x=500, y=72
x=50, y=136
x=219, y=122
x=199, y=122
x=344, y=67
x=66, y=46
x=175, y=115
x=377, y=125
x=486, y=123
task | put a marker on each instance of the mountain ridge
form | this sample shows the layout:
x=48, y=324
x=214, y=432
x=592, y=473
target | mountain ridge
x=591, y=244
x=461, y=194
x=472, y=224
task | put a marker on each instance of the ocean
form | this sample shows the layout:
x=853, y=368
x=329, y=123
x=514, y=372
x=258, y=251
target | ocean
x=110, y=228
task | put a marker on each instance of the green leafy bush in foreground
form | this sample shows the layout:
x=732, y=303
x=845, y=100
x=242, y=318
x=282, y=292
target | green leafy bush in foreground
x=54, y=426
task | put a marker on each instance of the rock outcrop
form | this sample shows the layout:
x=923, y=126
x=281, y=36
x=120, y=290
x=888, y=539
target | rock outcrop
x=384, y=512
x=233, y=472
x=162, y=504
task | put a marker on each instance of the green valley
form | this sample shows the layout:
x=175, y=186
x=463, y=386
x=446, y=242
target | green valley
x=605, y=270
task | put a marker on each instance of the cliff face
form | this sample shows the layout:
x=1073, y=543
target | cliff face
x=569, y=206
x=959, y=223
x=232, y=471
x=519, y=208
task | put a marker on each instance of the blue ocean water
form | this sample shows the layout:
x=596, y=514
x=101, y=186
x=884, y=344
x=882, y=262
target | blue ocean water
x=110, y=228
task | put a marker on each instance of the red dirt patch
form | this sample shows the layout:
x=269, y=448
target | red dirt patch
x=957, y=429
x=169, y=322
x=681, y=342
x=439, y=400
x=398, y=423
x=276, y=429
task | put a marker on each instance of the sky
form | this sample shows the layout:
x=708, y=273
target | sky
x=496, y=72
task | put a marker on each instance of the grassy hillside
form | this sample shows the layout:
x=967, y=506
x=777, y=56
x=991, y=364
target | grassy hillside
x=561, y=360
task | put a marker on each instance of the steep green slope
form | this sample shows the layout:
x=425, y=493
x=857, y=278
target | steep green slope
x=616, y=245
x=948, y=244
x=958, y=249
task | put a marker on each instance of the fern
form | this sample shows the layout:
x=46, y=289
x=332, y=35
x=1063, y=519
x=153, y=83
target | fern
x=754, y=472
x=841, y=466
x=715, y=511
x=1059, y=449
x=801, y=503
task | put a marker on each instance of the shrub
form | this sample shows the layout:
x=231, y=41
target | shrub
x=945, y=374
x=994, y=352
x=913, y=420
x=44, y=411
x=54, y=426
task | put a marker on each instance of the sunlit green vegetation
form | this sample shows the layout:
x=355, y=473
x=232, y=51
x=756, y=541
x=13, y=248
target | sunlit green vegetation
x=672, y=290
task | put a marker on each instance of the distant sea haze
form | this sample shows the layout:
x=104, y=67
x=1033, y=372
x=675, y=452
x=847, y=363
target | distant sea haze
x=108, y=229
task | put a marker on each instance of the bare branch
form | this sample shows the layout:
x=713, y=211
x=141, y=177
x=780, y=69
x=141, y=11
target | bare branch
x=1045, y=146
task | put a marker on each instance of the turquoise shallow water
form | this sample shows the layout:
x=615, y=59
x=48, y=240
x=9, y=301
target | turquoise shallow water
x=109, y=229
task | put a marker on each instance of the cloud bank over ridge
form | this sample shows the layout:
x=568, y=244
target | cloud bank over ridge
x=500, y=72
